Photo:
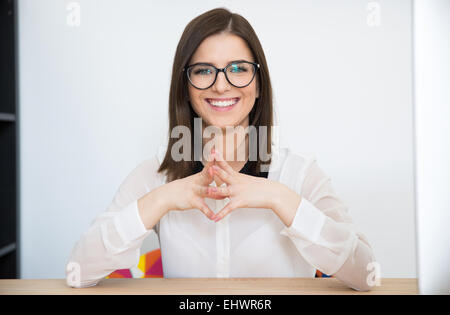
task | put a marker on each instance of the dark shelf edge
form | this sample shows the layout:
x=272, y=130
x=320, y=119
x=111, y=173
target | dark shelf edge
x=7, y=117
x=5, y=250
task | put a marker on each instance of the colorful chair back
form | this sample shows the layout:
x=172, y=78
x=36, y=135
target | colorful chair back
x=150, y=266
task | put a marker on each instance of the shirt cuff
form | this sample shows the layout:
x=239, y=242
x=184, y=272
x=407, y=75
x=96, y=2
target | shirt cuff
x=307, y=223
x=129, y=224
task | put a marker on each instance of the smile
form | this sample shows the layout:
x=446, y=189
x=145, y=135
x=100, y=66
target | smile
x=222, y=104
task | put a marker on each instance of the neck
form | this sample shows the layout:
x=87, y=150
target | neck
x=233, y=145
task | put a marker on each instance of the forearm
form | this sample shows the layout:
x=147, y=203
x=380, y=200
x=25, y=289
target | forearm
x=153, y=206
x=284, y=202
x=112, y=242
x=92, y=259
x=360, y=270
x=333, y=247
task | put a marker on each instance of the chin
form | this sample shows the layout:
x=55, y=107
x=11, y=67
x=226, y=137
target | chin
x=223, y=123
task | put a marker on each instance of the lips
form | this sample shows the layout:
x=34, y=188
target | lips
x=222, y=104
x=218, y=101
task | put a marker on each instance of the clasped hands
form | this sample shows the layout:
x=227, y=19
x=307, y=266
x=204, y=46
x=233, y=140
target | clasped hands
x=244, y=191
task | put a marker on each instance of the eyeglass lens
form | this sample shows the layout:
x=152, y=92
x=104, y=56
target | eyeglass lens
x=239, y=74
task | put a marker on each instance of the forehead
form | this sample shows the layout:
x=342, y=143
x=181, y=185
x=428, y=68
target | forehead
x=221, y=49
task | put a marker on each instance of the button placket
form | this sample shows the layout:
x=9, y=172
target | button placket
x=223, y=241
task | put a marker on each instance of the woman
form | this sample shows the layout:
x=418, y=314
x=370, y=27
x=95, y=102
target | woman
x=215, y=215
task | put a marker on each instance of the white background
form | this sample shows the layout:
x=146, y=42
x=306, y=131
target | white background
x=432, y=129
x=94, y=97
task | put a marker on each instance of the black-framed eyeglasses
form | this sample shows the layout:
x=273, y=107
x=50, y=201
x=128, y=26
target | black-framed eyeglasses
x=238, y=73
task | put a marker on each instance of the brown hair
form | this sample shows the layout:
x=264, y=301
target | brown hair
x=213, y=22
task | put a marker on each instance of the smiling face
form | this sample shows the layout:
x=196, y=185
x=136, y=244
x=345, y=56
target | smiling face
x=219, y=50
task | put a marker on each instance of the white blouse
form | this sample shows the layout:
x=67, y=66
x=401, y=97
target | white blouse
x=248, y=242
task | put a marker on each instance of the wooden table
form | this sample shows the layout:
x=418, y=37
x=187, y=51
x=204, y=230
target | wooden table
x=203, y=286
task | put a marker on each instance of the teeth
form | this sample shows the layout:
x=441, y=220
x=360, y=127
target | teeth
x=223, y=104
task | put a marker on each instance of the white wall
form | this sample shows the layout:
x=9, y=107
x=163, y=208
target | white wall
x=90, y=111
x=432, y=113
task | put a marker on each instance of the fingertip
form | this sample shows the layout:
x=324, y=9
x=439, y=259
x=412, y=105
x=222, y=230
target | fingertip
x=212, y=216
x=207, y=212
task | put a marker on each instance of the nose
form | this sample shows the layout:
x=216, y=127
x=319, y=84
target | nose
x=221, y=85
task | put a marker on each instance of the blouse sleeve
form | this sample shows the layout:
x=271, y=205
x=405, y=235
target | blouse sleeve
x=325, y=235
x=114, y=238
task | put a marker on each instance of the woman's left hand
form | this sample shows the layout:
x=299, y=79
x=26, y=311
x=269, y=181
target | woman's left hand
x=244, y=191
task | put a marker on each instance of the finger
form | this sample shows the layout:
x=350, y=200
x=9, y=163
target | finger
x=223, y=191
x=211, y=172
x=202, y=191
x=211, y=192
x=225, y=211
x=224, y=176
x=216, y=197
x=218, y=192
x=203, y=207
x=207, y=175
x=222, y=163
x=211, y=154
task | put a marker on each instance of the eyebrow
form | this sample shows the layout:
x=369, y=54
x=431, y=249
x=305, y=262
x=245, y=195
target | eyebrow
x=209, y=63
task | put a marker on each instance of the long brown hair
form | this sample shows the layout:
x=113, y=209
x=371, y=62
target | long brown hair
x=213, y=22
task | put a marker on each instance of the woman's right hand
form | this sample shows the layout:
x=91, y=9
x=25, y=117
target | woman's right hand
x=181, y=194
x=190, y=192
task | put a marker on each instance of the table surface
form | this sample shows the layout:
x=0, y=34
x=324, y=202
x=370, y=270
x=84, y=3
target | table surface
x=207, y=286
